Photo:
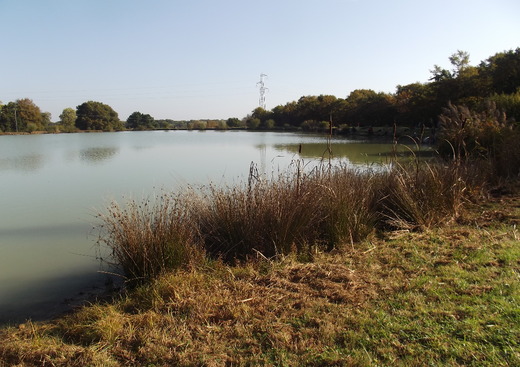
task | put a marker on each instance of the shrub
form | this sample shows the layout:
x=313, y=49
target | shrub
x=31, y=127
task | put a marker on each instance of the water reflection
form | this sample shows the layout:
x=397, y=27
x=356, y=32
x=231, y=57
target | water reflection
x=98, y=154
x=44, y=299
x=25, y=163
x=357, y=153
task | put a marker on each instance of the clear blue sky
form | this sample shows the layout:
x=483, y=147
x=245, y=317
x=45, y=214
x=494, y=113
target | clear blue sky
x=196, y=59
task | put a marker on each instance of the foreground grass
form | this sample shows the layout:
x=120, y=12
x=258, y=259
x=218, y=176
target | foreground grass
x=444, y=296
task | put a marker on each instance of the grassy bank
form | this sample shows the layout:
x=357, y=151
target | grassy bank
x=444, y=296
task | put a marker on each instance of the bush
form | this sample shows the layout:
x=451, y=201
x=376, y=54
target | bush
x=31, y=127
x=313, y=125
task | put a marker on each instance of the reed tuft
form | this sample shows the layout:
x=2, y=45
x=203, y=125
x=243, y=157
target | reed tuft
x=152, y=236
x=422, y=195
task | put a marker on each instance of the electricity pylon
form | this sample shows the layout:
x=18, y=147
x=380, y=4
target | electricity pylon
x=263, y=90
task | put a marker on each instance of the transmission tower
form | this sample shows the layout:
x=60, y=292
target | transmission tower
x=263, y=90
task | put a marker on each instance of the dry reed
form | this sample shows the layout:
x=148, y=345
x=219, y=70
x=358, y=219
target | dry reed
x=292, y=212
x=150, y=237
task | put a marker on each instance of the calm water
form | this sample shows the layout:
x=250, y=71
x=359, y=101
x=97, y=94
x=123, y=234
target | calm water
x=51, y=186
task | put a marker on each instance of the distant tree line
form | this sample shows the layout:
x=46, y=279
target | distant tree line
x=496, y=79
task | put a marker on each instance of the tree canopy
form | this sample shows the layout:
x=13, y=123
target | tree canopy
x=68, y=117
x=93, y=115
x=139, y=121
x=22, y=115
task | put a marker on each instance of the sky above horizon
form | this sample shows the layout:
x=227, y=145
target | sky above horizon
x=202, y=59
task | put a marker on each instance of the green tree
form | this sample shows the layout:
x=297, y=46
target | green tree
x=7, y=117
x=308, y=108
x=97, y=116
x=502, y=72
x=68, y=117
x=46, y=119
x=253, y=123
x=460, y=62
x=439, y=74
x=415, y=104
x=261, y=114
x=29, y=114
x=140, y=121
x=268, y=124
x=233, y=122
x=367, y=108
x=286, y=115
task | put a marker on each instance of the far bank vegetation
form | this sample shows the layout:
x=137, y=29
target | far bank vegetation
x=416, y=105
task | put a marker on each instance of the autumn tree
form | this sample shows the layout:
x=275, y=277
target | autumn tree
x=22, y=115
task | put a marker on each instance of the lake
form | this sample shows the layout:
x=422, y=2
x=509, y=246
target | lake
x=52, y=186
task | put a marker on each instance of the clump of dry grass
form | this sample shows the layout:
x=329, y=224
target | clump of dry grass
x=349, y=204
x=292, y=212
x=150, y=237
x=295, y=211
x=421, y=195
x=272, y=216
